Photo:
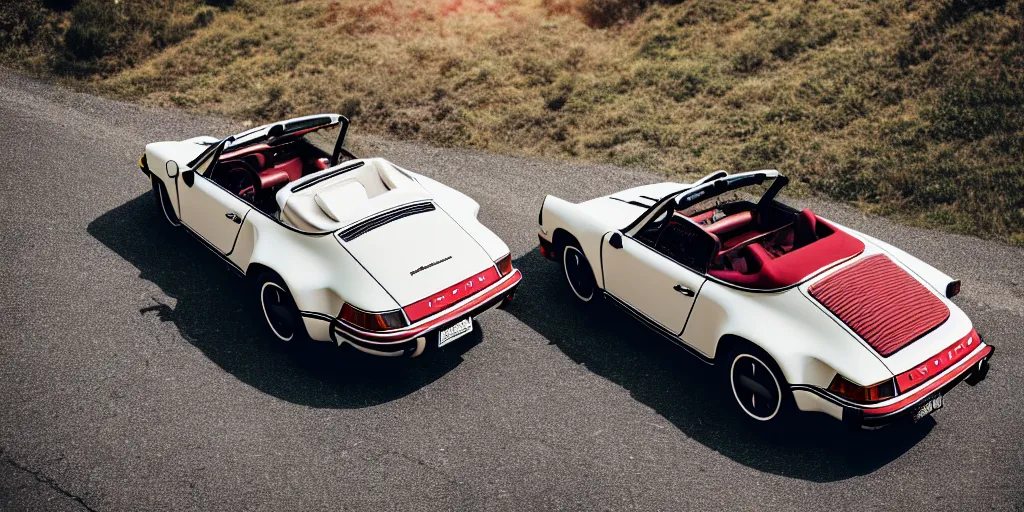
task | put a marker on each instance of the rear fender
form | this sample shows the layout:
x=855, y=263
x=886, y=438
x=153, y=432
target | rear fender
x=930, y=275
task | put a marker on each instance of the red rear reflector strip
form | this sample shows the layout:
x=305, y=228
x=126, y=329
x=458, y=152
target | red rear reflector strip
x=943, y=360
x=451, y=295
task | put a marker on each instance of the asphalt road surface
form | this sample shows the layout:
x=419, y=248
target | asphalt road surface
x=132, y=376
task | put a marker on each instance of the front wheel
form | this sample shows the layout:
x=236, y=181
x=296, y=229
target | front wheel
x=758, y=386
x=279, y=310
x=163, y=201
x=578, y=273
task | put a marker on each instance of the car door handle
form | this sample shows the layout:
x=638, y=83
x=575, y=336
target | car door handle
x=234, y=218
x=683, y=290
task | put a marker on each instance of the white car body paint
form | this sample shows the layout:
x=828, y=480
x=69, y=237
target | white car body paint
x=323, y=272
x=807, y=342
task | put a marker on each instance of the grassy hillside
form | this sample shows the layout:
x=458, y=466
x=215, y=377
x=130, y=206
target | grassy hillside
x=907, y=108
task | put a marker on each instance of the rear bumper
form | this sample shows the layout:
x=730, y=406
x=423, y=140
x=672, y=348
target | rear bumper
x=974, y=369
x=414, y=339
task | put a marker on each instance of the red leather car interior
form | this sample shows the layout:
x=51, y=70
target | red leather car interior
x=833, y=246
x=732, y=223
x=273, y=177
x=806, y=229
x=293, y=167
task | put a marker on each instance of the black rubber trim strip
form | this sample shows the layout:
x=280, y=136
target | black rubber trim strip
x=840, y=401
x=318, y=316
x=400, y=346
x=215, y=250
x=303, y=185
x=365, y=226
x=634, y=203
x=654, y=326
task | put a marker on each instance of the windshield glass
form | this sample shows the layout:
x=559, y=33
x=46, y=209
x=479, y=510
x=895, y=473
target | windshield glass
x=324, y=139
x=752, y=192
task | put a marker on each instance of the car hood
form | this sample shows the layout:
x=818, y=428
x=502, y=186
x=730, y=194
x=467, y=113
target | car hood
x=416, y=256
x=618, y=210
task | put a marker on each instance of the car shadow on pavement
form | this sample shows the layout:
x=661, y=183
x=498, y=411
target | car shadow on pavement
x=688, y=392
x=211, y=310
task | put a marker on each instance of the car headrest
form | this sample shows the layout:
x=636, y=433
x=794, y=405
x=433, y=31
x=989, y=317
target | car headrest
x=337, y=199
x=808, y=218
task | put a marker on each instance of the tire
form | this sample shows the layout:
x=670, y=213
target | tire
x=756, y=384
x=578, y=273
x=278, y=309
x=163, y=202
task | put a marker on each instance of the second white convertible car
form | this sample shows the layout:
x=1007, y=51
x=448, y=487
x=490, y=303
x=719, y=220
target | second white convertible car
x=800, y=313
x=337, y=248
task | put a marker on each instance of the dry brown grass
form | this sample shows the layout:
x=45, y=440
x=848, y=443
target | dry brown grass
x=905, y=108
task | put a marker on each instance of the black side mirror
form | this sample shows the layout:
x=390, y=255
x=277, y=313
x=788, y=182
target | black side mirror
x=615, y=241
x=189, y=177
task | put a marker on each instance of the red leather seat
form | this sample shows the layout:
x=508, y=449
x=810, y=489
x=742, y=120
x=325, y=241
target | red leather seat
x=732, y=223
x=293, y=167
x=794, y=266
x=806, y=229
x=273, y=177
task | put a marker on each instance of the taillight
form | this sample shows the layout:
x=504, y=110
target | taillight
x=367, y=321
x=876, y=393
x=504, y=265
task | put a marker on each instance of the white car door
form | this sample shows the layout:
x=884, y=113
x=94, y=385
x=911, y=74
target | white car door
x=210, y=211
x=660, y=269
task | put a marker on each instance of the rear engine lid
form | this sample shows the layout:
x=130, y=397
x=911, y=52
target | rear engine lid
x=883, y=304
x=415, y=254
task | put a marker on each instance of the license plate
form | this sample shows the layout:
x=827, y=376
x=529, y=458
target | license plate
x=460, y=329
x=929, y=407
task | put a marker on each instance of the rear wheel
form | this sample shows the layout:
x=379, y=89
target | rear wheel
x=578, y=273
x=163, y=201
x=279, y=310
x=757, y=385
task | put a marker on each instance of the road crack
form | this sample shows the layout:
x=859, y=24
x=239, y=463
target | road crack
x=51, y=483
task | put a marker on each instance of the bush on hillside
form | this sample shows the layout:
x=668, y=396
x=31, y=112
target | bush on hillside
x=105, y=36
x=605, y=13
x=23, y=23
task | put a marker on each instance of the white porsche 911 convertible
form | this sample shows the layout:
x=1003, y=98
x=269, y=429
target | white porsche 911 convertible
x=799, y=312
x=337, y=248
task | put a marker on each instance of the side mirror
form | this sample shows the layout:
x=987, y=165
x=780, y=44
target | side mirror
x=172, y=168
x=189, y=177
x=615, y=241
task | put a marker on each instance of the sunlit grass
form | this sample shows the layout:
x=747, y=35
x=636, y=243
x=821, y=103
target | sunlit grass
x=907, y=109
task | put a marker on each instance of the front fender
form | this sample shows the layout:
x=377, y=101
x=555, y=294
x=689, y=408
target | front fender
x=559, y=215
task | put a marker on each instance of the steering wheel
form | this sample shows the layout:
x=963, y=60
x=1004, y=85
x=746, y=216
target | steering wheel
x=239, y=181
